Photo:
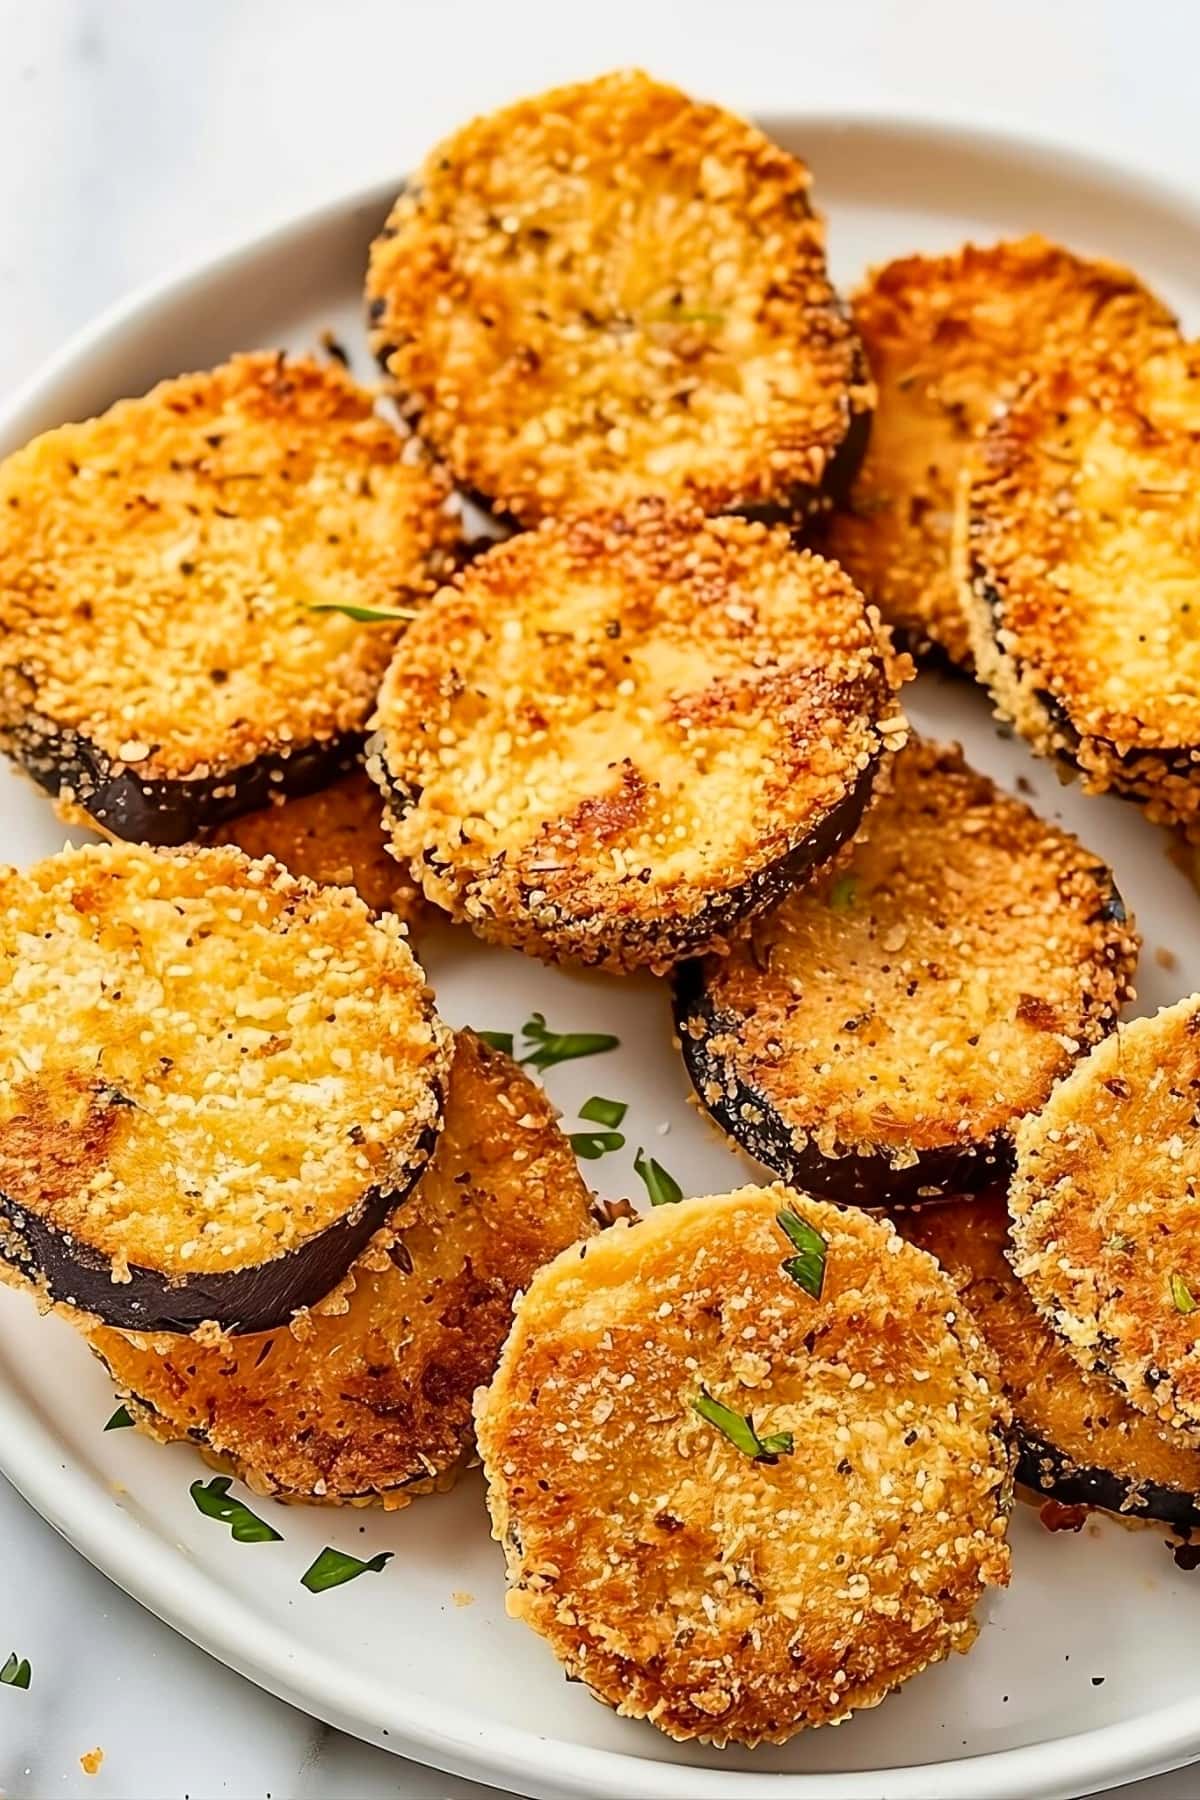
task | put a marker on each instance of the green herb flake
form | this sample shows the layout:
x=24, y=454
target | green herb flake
x=551, y=1047
x=333, y=1567
x=807, y=1267
x=740, y=1431
x=499, y=1040
x=364, y=615
x=662, y=1188
x=842, y=893
x=603, y=1112
x=214, y=1502
x=1181, y=1295
x=120, y=1419
x=590, y=1146
x=16, y=1672
x=686, y=315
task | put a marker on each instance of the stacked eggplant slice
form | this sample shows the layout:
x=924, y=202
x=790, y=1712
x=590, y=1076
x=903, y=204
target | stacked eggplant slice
x=751, y=1459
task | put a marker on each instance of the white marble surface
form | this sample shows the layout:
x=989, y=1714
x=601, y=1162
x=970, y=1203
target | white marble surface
x=136, y=135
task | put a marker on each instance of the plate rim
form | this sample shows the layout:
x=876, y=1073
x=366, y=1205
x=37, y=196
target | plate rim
x=163, y=1579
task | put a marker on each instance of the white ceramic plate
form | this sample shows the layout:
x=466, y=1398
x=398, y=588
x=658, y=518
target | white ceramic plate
x=1085, y=1672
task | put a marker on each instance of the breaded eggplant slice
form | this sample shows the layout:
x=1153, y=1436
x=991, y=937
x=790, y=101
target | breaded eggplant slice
x=368, y=1396
x=748, y=1462
x=334, y=836
x=1082, y=551
x=616, y=736
x=1079, y=1442
x=167, y=659
x=1106, y=1212
x=217, y=1082
x=878, y=1034
x=612, y=290
x=948, y=338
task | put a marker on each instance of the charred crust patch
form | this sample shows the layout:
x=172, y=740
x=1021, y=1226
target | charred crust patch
x=877, y=1036
x=624, y=798
x=612, y=290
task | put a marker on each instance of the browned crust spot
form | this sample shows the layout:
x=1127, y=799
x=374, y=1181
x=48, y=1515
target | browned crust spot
x=611, y=290
x=616, y=735
x=1106, y=1219
x=1081, y=515
x=159, y=566
x=923, y=993
x=205, y=1064
x=719, y=1596
x=948, y=338
x=369, y=1395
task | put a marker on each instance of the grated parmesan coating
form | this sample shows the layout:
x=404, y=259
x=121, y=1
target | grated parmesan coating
x=1106, y=1219
x=948, y=338
x=1080, y=522
x=368, y=1395
x=913, y=1002
x=335, y=837
x=159, y=566
x=611, y=290
x=1071, y=1425
x=684, y=1582
x=205, y=1064
x=617, y=735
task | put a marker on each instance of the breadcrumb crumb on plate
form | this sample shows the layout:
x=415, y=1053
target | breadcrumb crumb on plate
x=1079, y=1441
x=618, y=735
x=1106, y=1213
x=217, y=1081
x=611, y=290
x=1079, y=531
x=166, y=656
x=948, y=338
x=721, y=1594
x=368, y=1395
x=878, y=1034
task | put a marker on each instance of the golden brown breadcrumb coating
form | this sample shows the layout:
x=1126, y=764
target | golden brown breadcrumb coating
x=368, y=1396
x=617, y=735
x=1106, y=1218
x=879, y=1033
x=948, y=338
x=720, y=1591
x=611, y=290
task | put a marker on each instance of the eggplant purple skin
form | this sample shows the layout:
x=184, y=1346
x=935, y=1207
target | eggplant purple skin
x=168, y=812
x=259, y=1298
x=855, y=1179
x=1047, y=1471
x=652, y=938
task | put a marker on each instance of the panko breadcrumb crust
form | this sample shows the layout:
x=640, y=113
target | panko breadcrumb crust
x=611, y=290
x=948, y=338
x=1081, y=514
x=1106, y=1218
x=216, y=1082
x=334, y=836
x=618, y=735
x=877, y=1035
x=1079, y=1441
x=368, y=1396
x=718, y=1596
x=162, y=661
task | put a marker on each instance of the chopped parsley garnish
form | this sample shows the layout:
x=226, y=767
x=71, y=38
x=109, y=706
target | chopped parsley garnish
x=16, y=1672
x=1181, y=1295
x=591, y=1145
x=120, y=1419
x=333, y=1567
x=363, y=615
x=499, y=1040
x=807, y=1267
x=739, y=1429
x=842, y=893
x=662, y=1188
x=603, y=1112
x=214, y=1502
x=550, y=1047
